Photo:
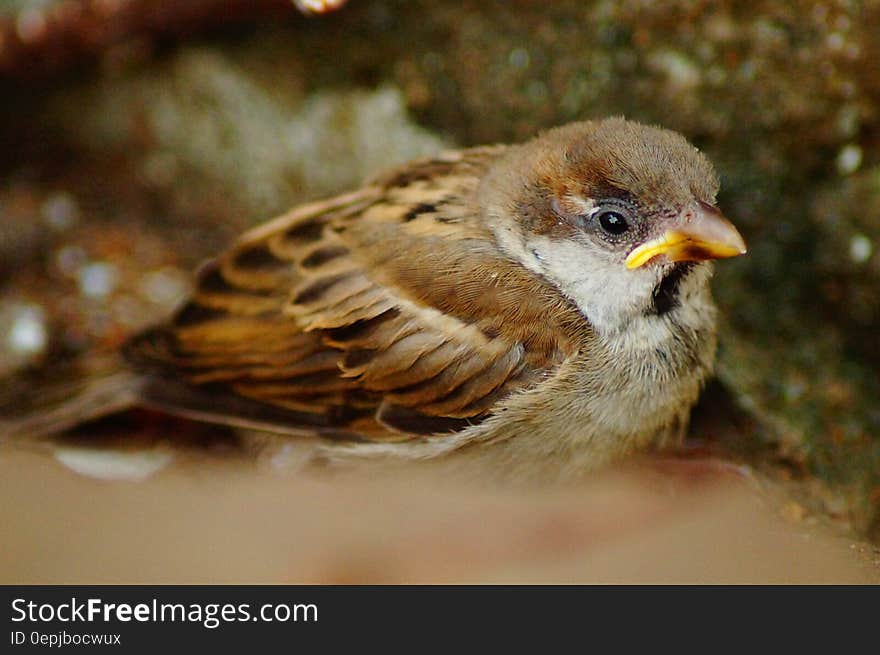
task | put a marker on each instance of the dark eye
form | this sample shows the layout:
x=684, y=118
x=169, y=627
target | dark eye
x=613, y=222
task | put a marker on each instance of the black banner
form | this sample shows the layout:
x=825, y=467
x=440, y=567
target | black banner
x=147, y=618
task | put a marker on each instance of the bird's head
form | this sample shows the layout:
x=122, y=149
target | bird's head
x=620, y=216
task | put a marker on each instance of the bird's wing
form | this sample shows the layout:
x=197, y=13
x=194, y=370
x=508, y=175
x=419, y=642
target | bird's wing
x=379, y=315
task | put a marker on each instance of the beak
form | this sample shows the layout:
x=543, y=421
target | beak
x=697, y=235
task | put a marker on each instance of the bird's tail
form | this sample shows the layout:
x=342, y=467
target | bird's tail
x=44, y=402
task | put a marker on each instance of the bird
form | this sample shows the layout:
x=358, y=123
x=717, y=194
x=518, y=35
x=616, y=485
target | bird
x=537, y=310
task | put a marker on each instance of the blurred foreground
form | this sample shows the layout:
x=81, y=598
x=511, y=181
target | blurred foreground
x=224, y=524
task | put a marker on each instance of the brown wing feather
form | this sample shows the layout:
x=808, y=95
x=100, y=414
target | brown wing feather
x=382, y=314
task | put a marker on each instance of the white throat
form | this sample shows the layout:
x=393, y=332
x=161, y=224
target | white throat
x=616, y=302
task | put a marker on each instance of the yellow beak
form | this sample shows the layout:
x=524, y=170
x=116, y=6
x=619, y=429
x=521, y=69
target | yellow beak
x=697, y=235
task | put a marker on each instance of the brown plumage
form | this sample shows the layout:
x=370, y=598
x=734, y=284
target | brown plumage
x=385, y=312
x=479, y=302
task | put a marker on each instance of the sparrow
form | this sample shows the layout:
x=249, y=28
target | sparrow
x=540, y=309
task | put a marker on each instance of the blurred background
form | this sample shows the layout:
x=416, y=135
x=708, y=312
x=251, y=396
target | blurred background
x=138, y=137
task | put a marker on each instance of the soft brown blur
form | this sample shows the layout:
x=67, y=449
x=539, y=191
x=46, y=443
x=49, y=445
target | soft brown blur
x=223, y=524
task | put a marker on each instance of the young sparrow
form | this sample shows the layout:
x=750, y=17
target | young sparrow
x=541, y=308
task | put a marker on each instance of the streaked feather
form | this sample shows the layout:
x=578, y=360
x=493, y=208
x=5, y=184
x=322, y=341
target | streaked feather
x=392, y=300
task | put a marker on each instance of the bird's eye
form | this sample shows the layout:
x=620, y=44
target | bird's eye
x=613, y=222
